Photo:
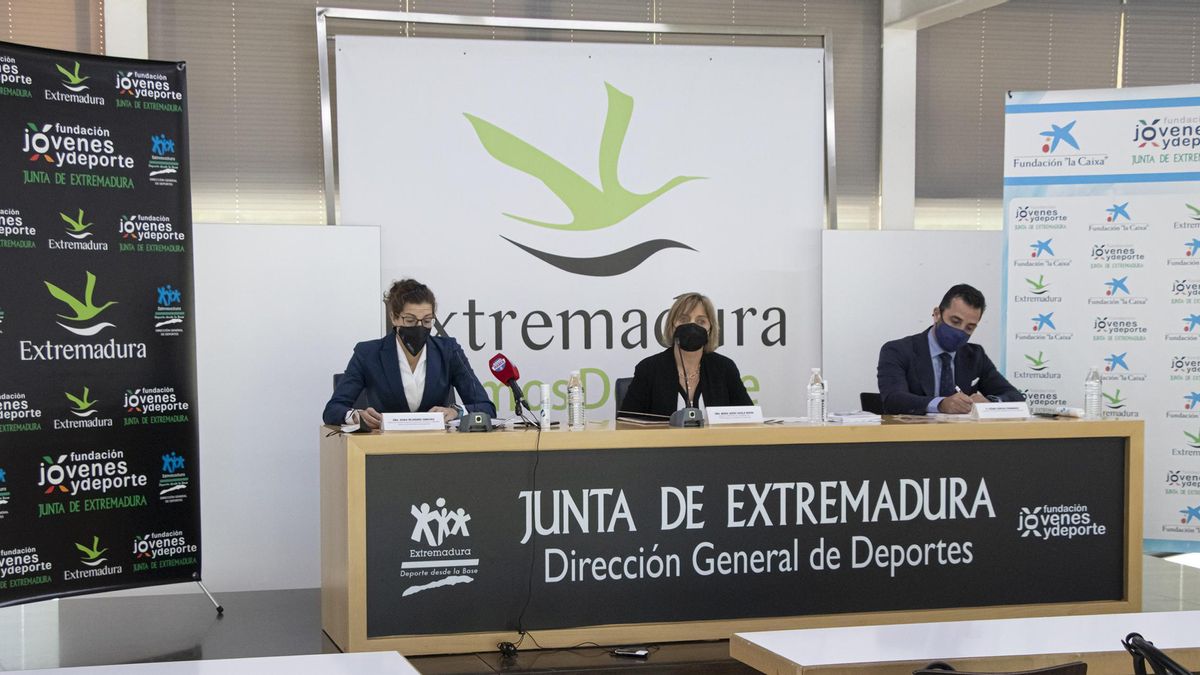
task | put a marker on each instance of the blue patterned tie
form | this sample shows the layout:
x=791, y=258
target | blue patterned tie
x=946, y=382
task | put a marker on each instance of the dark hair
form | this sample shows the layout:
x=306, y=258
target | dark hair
x=968, y=294
x=408, y=292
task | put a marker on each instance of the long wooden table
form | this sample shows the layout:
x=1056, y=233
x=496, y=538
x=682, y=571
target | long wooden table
x=995, y=646
x=394, y=505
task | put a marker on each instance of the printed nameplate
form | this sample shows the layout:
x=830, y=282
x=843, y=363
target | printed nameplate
x=733, y=414
x=430, y=421
x=1000, y=411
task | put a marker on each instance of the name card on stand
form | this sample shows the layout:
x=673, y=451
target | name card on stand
x=1017, y=410
x=733, y=414
x=429, y=421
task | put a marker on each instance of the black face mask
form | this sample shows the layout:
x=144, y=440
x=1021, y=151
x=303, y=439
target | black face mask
x=413, y=337
x=691, y=336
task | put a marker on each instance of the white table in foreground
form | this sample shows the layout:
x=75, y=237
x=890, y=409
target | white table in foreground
x=376, y=663
x=994, y=645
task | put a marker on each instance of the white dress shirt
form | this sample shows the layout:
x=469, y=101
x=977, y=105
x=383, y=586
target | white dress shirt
x=413, y=381
x=413, y=378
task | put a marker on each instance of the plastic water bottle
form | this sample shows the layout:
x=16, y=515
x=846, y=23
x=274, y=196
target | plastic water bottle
x=575, y=419
x=1093, y=387
x=544, y=415
x=816, y=397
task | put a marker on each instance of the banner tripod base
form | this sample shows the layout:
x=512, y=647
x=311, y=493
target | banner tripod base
x=220, y=609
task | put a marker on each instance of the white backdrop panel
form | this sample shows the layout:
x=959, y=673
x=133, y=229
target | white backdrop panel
x=279, y=309
x=878, y=286
x=748, y=120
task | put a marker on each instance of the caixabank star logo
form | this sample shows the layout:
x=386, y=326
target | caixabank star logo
x=592, y=207
x=1041, y=247
x=1042, y=255
x=1189, y=254
x=1187, y=406
x=1118, y=217
x=1117, y=291
x=1118, y=211
x=1057, y=134
x=1117, y=369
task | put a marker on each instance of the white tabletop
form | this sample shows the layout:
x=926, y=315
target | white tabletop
x=376, y=663
x=968, y=639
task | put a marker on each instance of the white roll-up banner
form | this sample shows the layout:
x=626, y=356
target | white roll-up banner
x=1102, y=212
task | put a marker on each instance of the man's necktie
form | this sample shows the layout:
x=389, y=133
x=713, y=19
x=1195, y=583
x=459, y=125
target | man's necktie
x=946, y=382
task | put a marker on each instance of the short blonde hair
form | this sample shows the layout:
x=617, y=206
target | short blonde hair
x=682, y=307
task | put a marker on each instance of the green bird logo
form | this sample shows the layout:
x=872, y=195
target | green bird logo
x=83, y=406
x=1037, y=364
x=1193, y=439
x=74, y=80
x=91, y=556
x=1039, y=287
x=592, y=207
x=76, y=227
x=1115, y=402
x=85, y=310
x=1195, y=211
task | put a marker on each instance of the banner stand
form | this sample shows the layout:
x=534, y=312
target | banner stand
x=99, y=443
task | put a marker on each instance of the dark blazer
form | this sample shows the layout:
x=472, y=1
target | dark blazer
x=905, y=375
x=375, y=367
x=655, y=387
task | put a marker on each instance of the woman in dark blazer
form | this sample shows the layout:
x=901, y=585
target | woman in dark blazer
x=407, y=370
x=689, y=372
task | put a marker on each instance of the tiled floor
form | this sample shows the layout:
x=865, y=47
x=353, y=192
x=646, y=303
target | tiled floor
x=1169, y=587
x=108, y=630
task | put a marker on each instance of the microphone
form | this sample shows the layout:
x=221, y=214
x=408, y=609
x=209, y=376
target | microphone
x=507, y=372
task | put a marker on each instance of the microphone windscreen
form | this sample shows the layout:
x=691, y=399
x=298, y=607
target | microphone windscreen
x=503, y=369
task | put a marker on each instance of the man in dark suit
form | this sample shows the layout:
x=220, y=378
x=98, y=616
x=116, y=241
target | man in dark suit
x=936, y=370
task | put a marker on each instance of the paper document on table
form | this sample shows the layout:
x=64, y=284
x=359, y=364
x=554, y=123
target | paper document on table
x=786, y=420
x=948, y=417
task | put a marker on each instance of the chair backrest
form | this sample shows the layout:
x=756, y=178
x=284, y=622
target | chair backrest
x=871, y=402
x=361, y=401
x=621, y=387
x=942, y=668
